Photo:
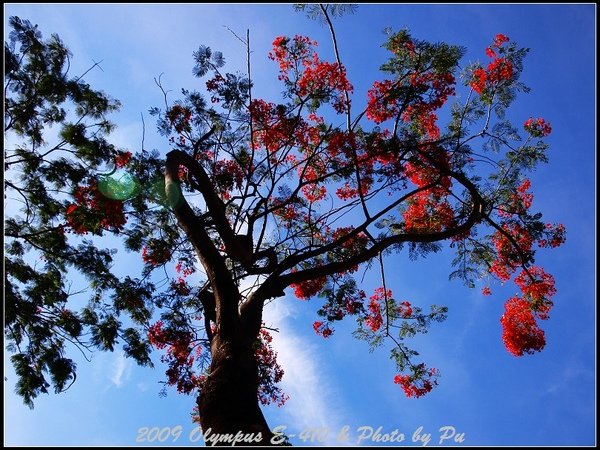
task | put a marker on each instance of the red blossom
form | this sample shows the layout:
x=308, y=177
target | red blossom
x=306, y=289
x=312, y=189
x=374, y=319
x=384, y=100
x=156, y=252
x=537, y=127
x=479, y=79
x=227, y=175
x=555, y=236
x=156, y=335
x=500, y=69
x=323, y=79
x=427, y=212
x=322, y=329
x=179, y=117
x=122, y=159
x=500, y=39
x=93, y=212
x=405, y=309
x=269, y=371
x=381, y=105
x=312, y=77
x=184, y=271
x=507, y=257
x=519, y=202
x=521, y=333
x=419, y=383
x=537, y=286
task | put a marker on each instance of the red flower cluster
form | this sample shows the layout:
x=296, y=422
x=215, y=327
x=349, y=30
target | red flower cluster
x=306, y=289
x=486, y=291
x=182, y=268
x=405, y=309
x=422, y=172
x=93, y=212
x=178, y=357
x=384, y=100
x=300, y=66
x=556, y=236
x=427, y=214
x=288, y=213
x=156, y=335
x=525, y=198
x=273, y=129
x=507, y=260
x=287, y=52
x=500, y=39
x=312, y=190
x=429, y=210
x=122, y=159
x=269, y=371
x=374, y=319
x=215, y=84
x=344, y=151
x=321, y=79
x=228, y=175
x=537, y=286
x=537, y=127
x=521, y=333
x=322, y=329
x=519, y=202
x=419, y=383
x=478, y=80
x=439, y=86
x=382, y=103
x=499, y=70
x=179, y=117
x=156, y=252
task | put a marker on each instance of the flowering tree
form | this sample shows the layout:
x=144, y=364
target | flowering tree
x=254, y=197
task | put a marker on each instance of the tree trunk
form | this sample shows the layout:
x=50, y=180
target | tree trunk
x=228, y=402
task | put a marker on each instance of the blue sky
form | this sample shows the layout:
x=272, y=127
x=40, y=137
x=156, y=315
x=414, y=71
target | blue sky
x=485, y=393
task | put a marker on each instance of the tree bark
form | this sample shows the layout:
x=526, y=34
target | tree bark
x=228, y=402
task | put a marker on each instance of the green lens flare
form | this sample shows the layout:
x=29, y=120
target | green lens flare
x=119, y=185
x=169, y=198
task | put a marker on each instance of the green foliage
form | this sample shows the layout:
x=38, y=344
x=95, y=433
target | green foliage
x=256, y=220
x=335, y=10
x=40, y=258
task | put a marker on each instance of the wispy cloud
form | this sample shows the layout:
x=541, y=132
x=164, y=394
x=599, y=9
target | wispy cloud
x=121, y=370
x=312, y=403
x=573, y=373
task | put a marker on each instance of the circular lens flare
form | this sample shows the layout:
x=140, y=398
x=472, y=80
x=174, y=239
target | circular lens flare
x=119, y=185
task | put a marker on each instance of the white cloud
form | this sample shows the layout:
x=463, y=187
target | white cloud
x=121, y=370
x=313, y=401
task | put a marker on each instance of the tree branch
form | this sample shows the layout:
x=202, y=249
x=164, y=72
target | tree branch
x=276, y=283
x=214, y=204
x=224, y=288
